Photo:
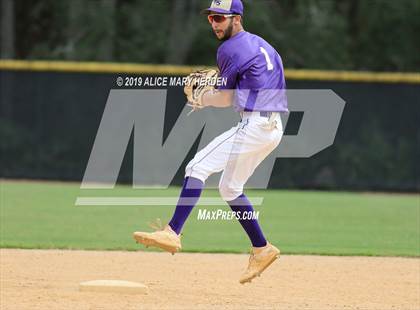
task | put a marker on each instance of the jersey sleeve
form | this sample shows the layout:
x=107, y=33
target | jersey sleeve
x=228, y=70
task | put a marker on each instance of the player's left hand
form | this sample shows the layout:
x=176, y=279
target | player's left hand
x=198, y=83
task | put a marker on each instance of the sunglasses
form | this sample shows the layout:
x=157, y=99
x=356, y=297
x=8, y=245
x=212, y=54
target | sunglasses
x=218, y=18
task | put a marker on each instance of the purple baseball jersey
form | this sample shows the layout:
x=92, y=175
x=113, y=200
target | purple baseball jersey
x=254, y=69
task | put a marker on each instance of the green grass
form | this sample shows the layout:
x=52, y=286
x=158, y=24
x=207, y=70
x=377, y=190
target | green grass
x=43, y=215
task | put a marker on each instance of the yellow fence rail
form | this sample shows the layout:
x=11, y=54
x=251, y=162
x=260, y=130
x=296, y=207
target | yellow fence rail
x=130, y=68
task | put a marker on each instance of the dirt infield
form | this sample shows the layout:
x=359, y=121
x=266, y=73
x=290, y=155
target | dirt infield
x=41, y=279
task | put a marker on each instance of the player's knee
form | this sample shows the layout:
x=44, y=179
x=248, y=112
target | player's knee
x=189, y=167
x=229, y=192
x=196, y=171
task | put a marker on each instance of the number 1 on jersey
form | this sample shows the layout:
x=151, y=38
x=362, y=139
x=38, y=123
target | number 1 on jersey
x=267, y=59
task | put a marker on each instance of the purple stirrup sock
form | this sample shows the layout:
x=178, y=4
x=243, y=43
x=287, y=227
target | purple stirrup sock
x=190, y=194
x=251, y=226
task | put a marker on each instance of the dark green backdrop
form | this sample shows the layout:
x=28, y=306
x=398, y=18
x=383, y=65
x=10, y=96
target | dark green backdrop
x=49, y=121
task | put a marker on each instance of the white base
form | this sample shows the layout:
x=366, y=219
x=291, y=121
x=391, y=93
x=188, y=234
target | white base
x=113, y=286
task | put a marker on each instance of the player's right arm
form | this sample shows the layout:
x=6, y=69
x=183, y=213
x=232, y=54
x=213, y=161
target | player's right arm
x=218, y=98
x=223, y=96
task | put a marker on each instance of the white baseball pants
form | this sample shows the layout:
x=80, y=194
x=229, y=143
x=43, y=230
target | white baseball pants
x=237, y=152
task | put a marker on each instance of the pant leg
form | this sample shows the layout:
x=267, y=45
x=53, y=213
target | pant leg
x=213, y=157
x=252, y=145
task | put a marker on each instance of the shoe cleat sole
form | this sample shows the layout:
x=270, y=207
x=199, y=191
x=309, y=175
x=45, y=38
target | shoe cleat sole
x=152, y=243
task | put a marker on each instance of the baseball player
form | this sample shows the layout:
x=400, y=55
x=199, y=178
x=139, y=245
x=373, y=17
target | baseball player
x=253, y=72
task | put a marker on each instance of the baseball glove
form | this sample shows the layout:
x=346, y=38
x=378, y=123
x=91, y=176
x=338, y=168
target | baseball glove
x=198, y=83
